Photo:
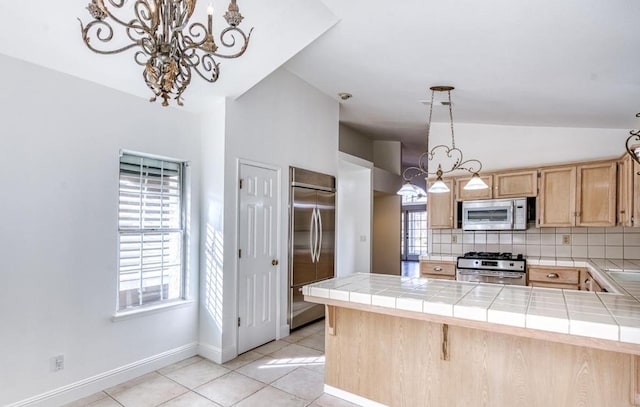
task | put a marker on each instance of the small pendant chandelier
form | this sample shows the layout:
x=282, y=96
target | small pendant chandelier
x=451, y=154
x=168, y=47
x=633, y=144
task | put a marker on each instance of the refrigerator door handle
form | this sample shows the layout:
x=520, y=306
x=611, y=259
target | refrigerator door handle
x=319, y=250
x=312, y=231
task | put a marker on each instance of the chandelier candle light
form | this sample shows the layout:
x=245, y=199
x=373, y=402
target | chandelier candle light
x=451, y=156
x=168, y=47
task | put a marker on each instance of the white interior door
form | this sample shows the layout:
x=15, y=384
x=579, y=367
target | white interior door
x=258, y=267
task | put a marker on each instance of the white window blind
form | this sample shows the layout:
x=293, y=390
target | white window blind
x=150, y=222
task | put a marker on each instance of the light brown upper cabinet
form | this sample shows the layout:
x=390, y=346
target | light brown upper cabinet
x=516, y=184
x=625, y=207
x=628, y=192
x=440, y=208
x=470, y=195
x=557, y=197
x=596, y=195
x=583, y=195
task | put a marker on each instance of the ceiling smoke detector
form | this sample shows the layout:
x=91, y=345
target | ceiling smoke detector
x=345, y=95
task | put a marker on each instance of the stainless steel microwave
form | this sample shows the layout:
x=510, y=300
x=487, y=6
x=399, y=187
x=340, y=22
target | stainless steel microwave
x=495, y=214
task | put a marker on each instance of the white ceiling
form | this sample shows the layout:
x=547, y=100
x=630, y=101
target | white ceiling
x=47, y=33
x=569, y=63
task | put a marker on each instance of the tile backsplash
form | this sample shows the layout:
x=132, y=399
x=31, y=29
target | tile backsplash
x=611, y=243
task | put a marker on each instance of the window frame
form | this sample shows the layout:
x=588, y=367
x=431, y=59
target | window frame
x=184, y=199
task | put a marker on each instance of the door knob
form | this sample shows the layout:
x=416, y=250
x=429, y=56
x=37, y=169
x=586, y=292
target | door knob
x=274, y=262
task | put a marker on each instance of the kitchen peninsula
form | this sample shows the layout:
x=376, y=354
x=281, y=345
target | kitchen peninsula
x=401, y=341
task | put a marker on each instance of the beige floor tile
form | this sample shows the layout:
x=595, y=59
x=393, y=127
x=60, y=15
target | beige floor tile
x=295, y=350
x=178, y=365
x=86, y=401
x=295, y=336
x=149, y=393
x=271, y=347
x=197, y=374
x=189, y=399
x=242, y=360
x=131, y=383
x=267, y=369
x=327, y=400
x=230, y=388
x=316, y=367
x=303, y=383
x=315, y=341
x=105, y=402
x=272, y=398
x=317, y=326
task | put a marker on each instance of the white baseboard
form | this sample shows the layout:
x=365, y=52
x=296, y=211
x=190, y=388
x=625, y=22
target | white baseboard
x=350, y=397
x=94, y=384
x=217, y=355
x=284, y=331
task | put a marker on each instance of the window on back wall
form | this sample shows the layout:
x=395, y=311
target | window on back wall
x=151, y=216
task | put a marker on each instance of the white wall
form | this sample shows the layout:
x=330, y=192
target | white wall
x=282, y=122
x=59, y=151
x=502, y=147
x=387, y=155
x=355, y=143
x=354, y=208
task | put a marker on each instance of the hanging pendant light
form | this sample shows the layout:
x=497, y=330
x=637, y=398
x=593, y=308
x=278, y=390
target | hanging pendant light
x=475, y=183
x=452, y=153
x=439, y=186
x=408, y=189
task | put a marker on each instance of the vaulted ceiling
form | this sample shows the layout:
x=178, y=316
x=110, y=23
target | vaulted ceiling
x=570, y=63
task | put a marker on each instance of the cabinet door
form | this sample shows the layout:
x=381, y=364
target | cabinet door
x=440, y=208
x=470, y=195
x=625, y=192
x=557, y=198
x=596, y=195
x=516, y=184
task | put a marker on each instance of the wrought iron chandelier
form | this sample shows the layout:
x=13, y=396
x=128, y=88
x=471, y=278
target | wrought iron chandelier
x=451, y=157
x=633, y=144
x=168, y=47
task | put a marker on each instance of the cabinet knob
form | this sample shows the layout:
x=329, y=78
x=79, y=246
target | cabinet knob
x=274, y=262
x=552, y=275
x=437, y=268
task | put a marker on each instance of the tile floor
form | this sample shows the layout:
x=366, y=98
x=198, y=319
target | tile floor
x=287, y=372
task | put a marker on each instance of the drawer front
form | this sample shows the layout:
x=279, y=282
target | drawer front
x=554, y=275
x=439, y=276
x=438, y=268
x=553, y=285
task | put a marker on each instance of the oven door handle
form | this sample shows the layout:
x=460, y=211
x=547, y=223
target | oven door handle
x=493, y=275
x=480, y=274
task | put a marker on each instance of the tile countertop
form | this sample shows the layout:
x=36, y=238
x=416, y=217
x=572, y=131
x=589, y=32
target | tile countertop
x=613, y=316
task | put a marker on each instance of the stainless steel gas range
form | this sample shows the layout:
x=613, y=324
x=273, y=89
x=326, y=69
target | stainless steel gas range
x=492, y=267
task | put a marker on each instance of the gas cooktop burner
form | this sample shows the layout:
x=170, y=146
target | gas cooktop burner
x=492, y=255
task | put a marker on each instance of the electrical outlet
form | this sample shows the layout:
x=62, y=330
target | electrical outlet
x=454, y=238
x=566, y=239
x=58, y=363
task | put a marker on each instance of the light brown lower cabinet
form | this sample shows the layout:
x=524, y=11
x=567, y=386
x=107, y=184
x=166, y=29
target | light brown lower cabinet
x=554, y=277
x=589, y=283
x=407, y=362
x=443, y=270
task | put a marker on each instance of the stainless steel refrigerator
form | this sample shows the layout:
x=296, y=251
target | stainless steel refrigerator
x=312, y=209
